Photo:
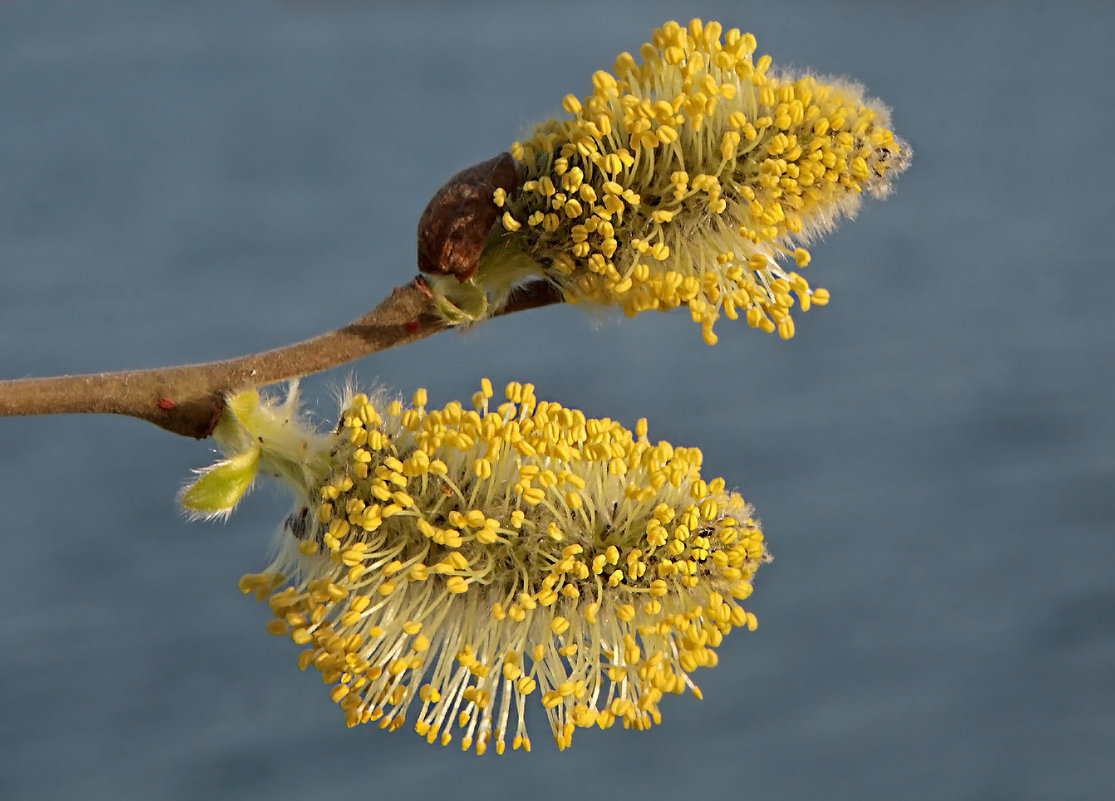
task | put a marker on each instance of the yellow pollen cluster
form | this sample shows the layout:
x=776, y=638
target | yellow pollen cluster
x=458, y=561
x=687, y=176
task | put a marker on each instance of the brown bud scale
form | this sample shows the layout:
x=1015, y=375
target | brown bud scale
x=455, y=225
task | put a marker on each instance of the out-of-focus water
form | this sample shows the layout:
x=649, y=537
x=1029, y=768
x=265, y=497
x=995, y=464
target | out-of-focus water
x=931, y=455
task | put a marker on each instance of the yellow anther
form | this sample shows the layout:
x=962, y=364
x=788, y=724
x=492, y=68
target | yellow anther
x=456, y=584
x=510, y=223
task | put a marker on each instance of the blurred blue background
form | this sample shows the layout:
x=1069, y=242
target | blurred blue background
x=931, y=455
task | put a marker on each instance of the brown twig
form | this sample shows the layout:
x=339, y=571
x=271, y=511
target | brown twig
x=188, y=399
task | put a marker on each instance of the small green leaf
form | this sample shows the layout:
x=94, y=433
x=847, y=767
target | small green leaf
x=220, y=488
x=243, y=404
